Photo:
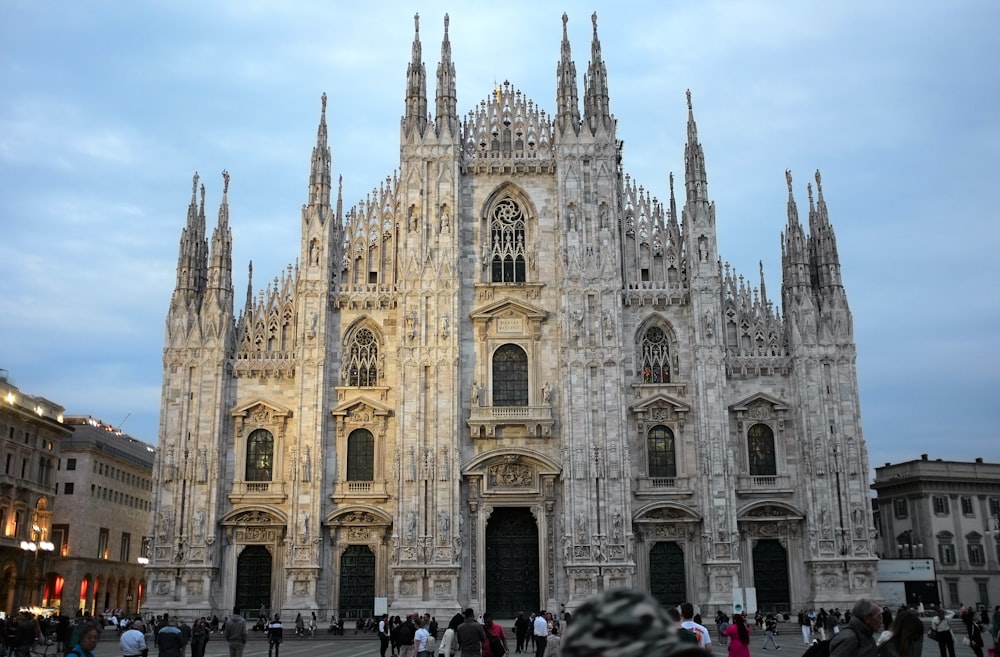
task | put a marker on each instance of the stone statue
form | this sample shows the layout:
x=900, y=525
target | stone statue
x=475, y=393
x=547, y=393
x=444, y=523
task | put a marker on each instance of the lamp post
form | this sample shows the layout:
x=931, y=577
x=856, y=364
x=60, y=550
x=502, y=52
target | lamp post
x=33, y=547
x=907, y=549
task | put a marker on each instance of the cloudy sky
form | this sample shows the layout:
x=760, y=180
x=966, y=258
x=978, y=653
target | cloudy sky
x=108, y=108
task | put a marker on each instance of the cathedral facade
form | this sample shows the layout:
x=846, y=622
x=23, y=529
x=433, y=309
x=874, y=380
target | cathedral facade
x=509, y=378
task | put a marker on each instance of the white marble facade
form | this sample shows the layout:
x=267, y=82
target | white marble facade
x=511, y=322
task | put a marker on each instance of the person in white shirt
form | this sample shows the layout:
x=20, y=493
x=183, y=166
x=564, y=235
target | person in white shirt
x=540, y=629
x=133, y=641
x=687, y=622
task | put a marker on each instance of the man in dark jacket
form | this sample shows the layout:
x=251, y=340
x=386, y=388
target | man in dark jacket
x=170, y=640
x=235, y=633
x=856, y=639
x=470, y=635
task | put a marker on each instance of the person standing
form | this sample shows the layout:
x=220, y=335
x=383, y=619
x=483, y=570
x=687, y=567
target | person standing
x=540, y=633
x=420, y=638
x=470, y=635
x=199, y=637
x=170, y=640
x=133, y=640
x=383, y=634
x=688, y=623
x=521, y=626
x=804, y=625
x=945, y=639
x=856, y=640
x=976, y=636
x=496, y=643
x=407, y=630
x=235, y=633
x=275, y=635
x=739, y=637
x=88, y=637
x=770, y=629
x=907, y=638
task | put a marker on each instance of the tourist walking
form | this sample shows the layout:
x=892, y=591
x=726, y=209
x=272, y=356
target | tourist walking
x=275, y=635
x=857, y=638
x=235, y=633
x=739, y=637
x=470, y=635
x=770, y=629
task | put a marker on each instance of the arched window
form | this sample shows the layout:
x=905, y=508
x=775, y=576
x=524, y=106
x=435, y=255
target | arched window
x=361, y=456
x=507, y=242
x=655, y=363
x=510, y=376
x=662, y=455
x=362, y=370
x=760, y=447
x=260, y=455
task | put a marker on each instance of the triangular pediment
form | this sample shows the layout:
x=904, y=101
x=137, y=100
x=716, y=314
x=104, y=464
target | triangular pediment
x=757, y=399
x=659, y=400
x=509, y=307
x=276, y=410
x=361, y=403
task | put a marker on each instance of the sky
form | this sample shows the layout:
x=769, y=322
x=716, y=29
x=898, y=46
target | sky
x=108, y=108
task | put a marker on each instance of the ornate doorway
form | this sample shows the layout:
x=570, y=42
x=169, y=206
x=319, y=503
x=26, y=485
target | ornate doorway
x=770, y=575
x=253, y=578
x=512, y=574
x=667, y=577
x=357, y=582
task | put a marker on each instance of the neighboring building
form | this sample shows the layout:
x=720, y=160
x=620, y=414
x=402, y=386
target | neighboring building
x=103, y=517
x=509, y=378
x=31, y=429
x=948, y=511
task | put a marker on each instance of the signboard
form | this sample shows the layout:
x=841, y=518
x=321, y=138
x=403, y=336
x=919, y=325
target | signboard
x=905, y=570
x=745, y=600
x=381, y=606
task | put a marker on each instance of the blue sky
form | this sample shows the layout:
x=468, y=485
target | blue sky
x=108, y=108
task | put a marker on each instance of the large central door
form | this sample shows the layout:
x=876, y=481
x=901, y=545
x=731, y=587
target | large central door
x=253, y=578
x=667, y=577
x=357, y=582
x=512, y=583
x=770, y=575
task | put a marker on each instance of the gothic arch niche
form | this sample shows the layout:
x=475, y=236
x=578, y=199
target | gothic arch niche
x=360, y=536
x=508, y=226
x=773, y=540
x=248, y=419
x=254, y=540
x=364, y=357
x=657, y=361
x=668, y=552
x=511, y=483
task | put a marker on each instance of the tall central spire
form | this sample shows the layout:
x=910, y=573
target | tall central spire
x=567, y=101
x=319, y=173
x=416, y=87
x=695, y=177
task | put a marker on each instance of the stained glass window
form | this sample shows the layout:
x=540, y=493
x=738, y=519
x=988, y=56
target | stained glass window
x=361, y=456
x=662, y=456
x=655, y=358
x=260, y=455
x=362, y=370
x=760, y=446
x=510, y=376
x=507, y=243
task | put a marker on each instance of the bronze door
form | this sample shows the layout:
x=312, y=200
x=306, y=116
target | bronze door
x=512, y=574
x=253, y=578
x=770, y=575
x=667, y=576
x=357, y=582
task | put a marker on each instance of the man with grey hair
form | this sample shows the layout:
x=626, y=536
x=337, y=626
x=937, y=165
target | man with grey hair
x=133, y=641
x=866, y=619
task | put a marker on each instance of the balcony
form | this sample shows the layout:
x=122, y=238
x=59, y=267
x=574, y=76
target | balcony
x=511, y=421
x=661, y=487
x=372, y=491
x=258, y=491
x=764, y=485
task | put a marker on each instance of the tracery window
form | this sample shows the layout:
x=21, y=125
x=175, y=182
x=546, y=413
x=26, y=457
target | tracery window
x=760, y=447
x=362, y=369
x=510, y=376
x=507, y=242
x=361, y=456
x=662, y=452
x=260, y=455
x=655, y=357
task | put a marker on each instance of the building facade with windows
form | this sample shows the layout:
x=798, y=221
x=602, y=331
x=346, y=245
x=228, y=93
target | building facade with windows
x=948, y=511
x=102, y=519
x=509, y=377
x=31, y=431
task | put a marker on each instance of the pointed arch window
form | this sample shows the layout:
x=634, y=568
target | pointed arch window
x=655, y=363
x=361, y=456
x=760, y=447
x=507, y=242
x=260, y=456
x=662, y=452
x=510, y=376
x=362, y=369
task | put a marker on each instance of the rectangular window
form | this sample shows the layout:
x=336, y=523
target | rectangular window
x=976, y=554
x=102, y=543
x=10, y=458
x=71, y=464
x=60, y=539
x=899, y=507
x=953, y=594
x=984, y=592
x=68, y=488
x=967, y=509
x=995, y=506
x=946, y=554
x=940, y=505
x=125, y=547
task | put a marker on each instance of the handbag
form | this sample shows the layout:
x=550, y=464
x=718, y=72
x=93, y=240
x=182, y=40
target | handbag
x=966, y=641
x=932, y=634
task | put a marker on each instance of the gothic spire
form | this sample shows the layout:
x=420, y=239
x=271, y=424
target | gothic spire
x=249, y=305
x=567, y=102
x=319, y=173
x=794, y=250
x=446, y=103
x=823, y=242
x=596, y=107
x=695, y=178
x=192, y=260
x=416, y=88
x=219, y=296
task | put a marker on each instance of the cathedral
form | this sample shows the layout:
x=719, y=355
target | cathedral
x=509, y=378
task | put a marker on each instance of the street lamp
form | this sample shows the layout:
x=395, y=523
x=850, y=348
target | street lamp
x=909, y=545
x=34, y=547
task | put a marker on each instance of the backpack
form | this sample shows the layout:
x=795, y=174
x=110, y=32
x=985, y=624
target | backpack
x=822, y=648
x=496, y=646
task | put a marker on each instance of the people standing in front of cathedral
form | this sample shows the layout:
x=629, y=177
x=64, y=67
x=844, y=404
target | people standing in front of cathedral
x=521, y=625
x=770, y=629
x=170, y=640
x=739, y=637
x=540, y=633
x=275, y=635
x=688, y=623
x=805, y=624
x=383, y=634
x=906, y=636
x=449, y=642
x=407, y=630
x=857, y=639
x=420, y=638
x=886, y=619
x=721, y=624
x=470, y=635
x=133, y=640
x=235, y=633
x=976, y=636
x=495, y=644
x=945, y=639
x=553, y=644
x=199, y=637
